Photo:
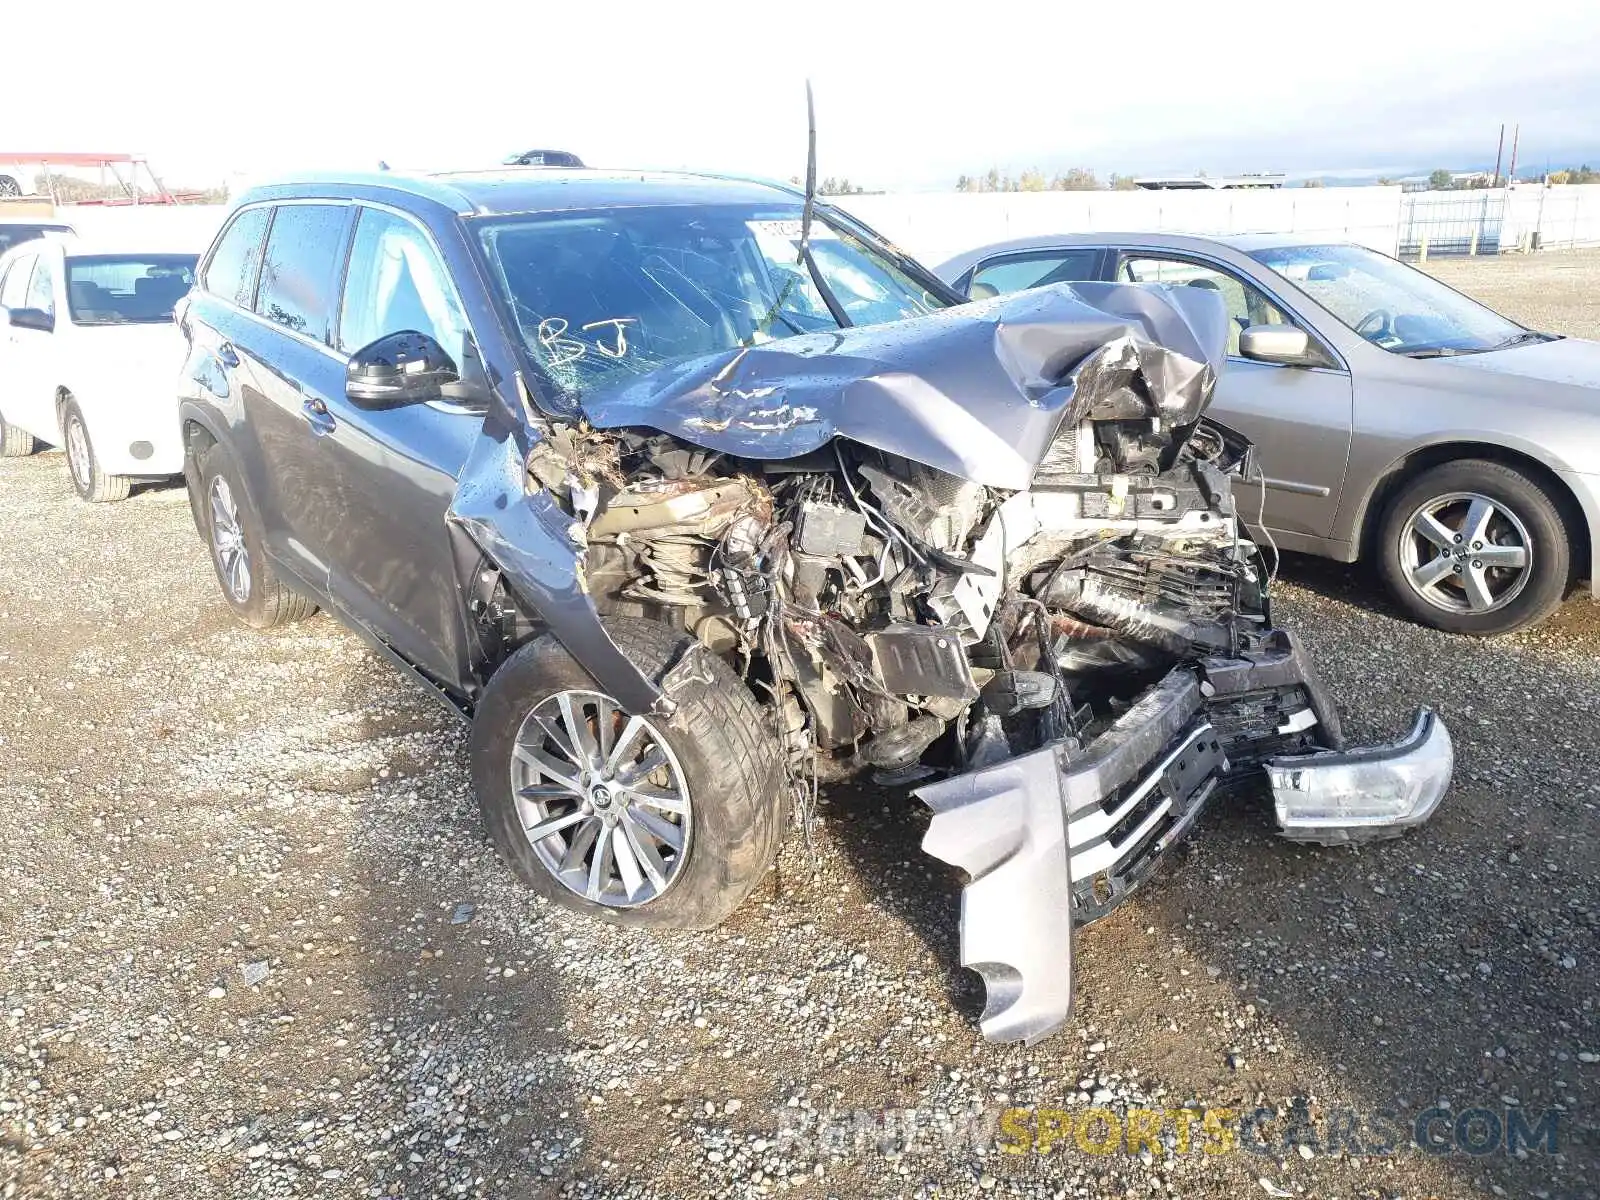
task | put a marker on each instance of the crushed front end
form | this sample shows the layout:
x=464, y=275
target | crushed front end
x=991, y=552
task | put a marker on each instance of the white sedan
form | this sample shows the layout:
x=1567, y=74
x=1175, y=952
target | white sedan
x=87, y=355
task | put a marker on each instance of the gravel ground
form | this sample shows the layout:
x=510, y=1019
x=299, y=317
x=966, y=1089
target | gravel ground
x=239, y=958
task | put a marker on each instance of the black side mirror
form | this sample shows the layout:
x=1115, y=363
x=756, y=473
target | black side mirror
x=399, y=369
x=32, y=318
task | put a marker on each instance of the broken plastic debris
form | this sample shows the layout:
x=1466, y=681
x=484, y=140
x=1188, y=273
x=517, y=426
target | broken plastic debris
x=255, y=973
x=463, y=913
x=1271, y=1188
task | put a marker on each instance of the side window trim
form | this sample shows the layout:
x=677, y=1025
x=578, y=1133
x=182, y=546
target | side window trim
x=1123, y=253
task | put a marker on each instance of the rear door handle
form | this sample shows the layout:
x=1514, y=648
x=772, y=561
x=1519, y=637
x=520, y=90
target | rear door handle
x=317, y=416
x=227, y=355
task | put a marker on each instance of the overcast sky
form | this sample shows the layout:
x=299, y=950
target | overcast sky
x=908, y=96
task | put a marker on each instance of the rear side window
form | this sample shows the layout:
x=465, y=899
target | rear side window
x=231, y=273
x=1019, y=272
x=105, y=289
x=299, y=272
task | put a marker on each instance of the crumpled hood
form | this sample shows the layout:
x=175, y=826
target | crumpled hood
x=978, y=391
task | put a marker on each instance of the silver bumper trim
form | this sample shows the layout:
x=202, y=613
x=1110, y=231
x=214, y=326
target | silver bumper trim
x=1007, y=826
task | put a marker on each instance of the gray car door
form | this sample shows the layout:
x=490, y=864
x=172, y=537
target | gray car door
x=1300, y=418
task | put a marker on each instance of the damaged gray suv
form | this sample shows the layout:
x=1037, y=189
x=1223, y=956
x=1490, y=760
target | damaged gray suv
x=688, y=494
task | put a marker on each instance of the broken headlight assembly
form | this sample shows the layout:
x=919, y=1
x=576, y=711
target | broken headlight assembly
x=1375, y=792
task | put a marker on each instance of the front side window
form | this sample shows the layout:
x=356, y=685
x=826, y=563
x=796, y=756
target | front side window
x=42, y=288
x=603, y=295
x=396, y=283
x=300, y=267
x=14, y=290
x=1246, y=304
x=1390, y=304
x=231, y=273
x=1016, y=273
x=107, y=289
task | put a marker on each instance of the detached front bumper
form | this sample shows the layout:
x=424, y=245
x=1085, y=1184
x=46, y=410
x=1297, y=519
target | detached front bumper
x=1058, y=837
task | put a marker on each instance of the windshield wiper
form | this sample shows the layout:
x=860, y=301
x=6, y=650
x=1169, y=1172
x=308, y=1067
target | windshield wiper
x=1519, y=339
x=1437, y=352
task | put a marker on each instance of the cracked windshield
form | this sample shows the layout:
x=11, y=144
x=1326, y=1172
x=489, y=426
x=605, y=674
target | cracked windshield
x=601, y=296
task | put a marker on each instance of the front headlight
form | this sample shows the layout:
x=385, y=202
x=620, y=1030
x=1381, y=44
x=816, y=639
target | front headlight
x=1374, y=792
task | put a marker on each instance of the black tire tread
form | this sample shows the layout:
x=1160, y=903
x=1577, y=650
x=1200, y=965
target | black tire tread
x=732, y=723
x=16, y=443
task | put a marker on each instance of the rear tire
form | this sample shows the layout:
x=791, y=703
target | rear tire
x=1434, y=523
x=14, y=442
x=720, y=764
x=93, y=484
x=233, y=535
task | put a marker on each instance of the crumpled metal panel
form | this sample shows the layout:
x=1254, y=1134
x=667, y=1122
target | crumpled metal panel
x=533, y=543
x=977, y=391
x=1006, y=827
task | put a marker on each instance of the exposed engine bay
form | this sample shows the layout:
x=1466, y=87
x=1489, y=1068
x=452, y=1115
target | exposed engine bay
x=1014, y=578
x=908, y=622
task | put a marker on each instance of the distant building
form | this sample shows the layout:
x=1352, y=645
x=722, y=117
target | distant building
x=1164, y=183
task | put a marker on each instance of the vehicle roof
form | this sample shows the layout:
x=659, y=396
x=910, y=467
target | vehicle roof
x=504, y=190
x=1245, y=243
x=40, y=222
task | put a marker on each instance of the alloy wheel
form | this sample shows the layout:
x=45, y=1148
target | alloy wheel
x=1465, y=553
x=227, y=541
x=601, y=798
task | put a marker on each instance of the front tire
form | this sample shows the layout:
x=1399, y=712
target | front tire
x=92, y=484
x=14, y=442
x=652, y=822
x=1475, y=547
x=233, y=535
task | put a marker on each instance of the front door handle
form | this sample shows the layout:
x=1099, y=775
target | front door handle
x=317, y=416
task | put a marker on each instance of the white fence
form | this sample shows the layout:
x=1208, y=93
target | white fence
x=938, y=225
x=935, y=226
x=1559, y=216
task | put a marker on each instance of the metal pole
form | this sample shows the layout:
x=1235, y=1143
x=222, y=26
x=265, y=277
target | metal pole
x=1511, y=173
x=1497, y=152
